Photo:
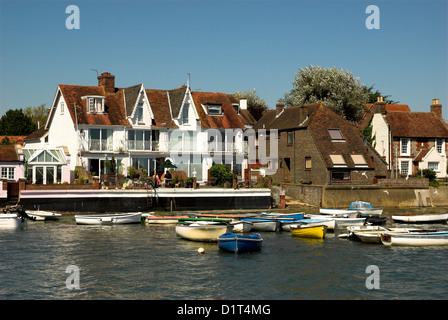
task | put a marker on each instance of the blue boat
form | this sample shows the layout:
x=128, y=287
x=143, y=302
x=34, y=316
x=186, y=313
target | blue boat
x=240, y=243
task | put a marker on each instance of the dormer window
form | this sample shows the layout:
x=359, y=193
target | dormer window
x=140, y=112
x=214, y=109
x=236, y=106
x=95, y=104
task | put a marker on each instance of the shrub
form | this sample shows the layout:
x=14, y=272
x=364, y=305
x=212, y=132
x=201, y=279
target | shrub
x=222, y=173
x=428, y=173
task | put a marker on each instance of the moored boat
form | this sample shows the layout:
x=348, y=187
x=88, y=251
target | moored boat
x=365, y=209
x=201, y=231
x=439, y=238
x=338, y=212
x=109, y=219
x=241, y=226
x=240, y=243
x=421, y=218
x=43, y=215
x=258, y=224
x=309, y=222
x=12, y=221
x=314, y=232
x=297, y=215
x=151, y=219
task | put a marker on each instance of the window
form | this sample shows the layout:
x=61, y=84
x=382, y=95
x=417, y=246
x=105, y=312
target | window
x=62, y=107
x=185, y=114
x=404, y=146
x=433, y=165
x=101, y=139
x=289, y=138
x=439, y=144
x=95, y=104
x=308, y=163
x=139, y=139
x=46, y=139
x=7, y=173
x=214, y=109
x=237, y=108
x=336, y=135
x=404, y=167
x=340, y=175
x=338, y=160
x=359, y=161
x=140, y=112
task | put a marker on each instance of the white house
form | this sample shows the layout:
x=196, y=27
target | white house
x=137, y=127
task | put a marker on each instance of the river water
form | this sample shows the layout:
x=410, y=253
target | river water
x=150, y=262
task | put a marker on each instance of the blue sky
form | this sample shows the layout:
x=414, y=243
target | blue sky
x=225, y=45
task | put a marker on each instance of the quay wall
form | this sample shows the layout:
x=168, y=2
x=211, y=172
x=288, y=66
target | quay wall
x=380, y=196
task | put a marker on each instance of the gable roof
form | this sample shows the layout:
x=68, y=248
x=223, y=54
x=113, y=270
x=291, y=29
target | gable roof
x=158, y=100
x=229, y=119
x=370, y=110
x=176, y=98
x=8, y=153
x=416, y=124
x=113, y=105
x=130, y=98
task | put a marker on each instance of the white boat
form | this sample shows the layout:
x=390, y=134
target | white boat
x=421, y=218
x=339, y=213
x=259, y=224
x=241, y=226
x=201, y=232
x=329, y=223
x=338, y=222
x=151, y=219
x=12, y=221
x=365, y=209
x=43, y=215
x=296, y=215
x=439, y=238
x=114, y=218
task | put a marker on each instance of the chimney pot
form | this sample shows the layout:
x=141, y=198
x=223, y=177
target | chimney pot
x=243, y=104
x=380, y=106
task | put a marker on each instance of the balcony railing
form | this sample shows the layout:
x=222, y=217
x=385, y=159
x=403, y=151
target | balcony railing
x=99, y=145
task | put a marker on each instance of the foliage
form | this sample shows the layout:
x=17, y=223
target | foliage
x=37, y=114
x=111, y=165
x=222, y=173
x=256, y=105
x=336, y=88
x=367, y=134
x=373, y=96
x=16, y=123
x=428, y=173
x=6, y=141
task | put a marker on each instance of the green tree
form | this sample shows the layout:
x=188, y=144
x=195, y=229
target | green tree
x=256, y=105
x=222, y=174
x=37, y=114
x=336, y=88
x=6, y=142
x=372, y=97
x=16, y=123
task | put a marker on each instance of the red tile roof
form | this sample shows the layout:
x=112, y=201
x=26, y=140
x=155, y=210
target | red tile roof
x=158, y=100
x=370, y=110
x=14, y=139
x=416, y=124
x=8, y=153
x=229, y=117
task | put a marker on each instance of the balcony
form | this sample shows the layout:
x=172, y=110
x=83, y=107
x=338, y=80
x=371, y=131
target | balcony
x=100, y=145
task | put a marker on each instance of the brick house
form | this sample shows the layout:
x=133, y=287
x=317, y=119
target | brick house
x=409, y=141
x=317, y=146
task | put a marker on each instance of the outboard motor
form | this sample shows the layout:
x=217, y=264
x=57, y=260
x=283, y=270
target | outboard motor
x=23, y=215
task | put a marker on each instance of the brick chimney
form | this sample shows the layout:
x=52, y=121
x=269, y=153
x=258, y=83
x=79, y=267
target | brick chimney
x=380, y=106
x=279, y=108
x=436, y=108
x=107, y=81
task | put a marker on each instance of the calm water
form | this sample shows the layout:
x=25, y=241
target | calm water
x=150, y=262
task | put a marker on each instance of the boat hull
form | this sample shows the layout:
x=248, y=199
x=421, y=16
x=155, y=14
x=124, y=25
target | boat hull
x=239, y=244
x=12, y=221
x=338, y=212
x=314, y=232
x=264, y=224
x=421, y=218
x=415, y=239
x=150, y=219
x=43, y=215
x=200, y=232
x=241, y=226
x=108, y=219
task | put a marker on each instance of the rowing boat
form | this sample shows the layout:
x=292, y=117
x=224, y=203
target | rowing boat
x=43, y=215
x=314, y=232
x=151, y=219
x=109, y=219
x=365, y=209
x=201, y=231
x=439, y=238
x=421, y=218
x=240, y=243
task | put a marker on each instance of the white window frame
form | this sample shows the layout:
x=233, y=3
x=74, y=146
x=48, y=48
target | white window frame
x=408, y=146
x=215, y=108
x=95, y=104
x=401, y=161
x=7, y=173
x=436, y=167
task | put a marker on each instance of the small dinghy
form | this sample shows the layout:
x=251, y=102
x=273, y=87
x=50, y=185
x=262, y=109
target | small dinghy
x=240, y=243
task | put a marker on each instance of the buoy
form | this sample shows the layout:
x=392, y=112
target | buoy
x=201, y=250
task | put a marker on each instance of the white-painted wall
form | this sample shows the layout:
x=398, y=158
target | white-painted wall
x=380, y=130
